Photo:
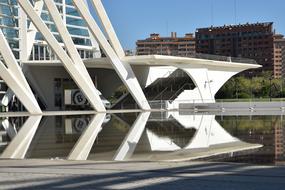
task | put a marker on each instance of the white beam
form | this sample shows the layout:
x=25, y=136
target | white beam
x=32, y=30
x=87, y=85
x=83, y=146
x=74, y=70
x=129, y=144
x=27, y=36
x=124, y=70
x=19, y=145
x=15, y=79
x=107, y=25
x=94, y=43
x=23, y=34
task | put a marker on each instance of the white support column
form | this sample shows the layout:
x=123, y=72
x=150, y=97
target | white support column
x=74, y=69
x=123, y=69
x=130, y=142
x=27, y=36
x=88, y=87
x=107, y=25
x=19, y=146
x=219, y=77
x=208, y=81
x=23, y=34
x=15, y=79
x=94, y=43
x=83, y=146
x=202, y=82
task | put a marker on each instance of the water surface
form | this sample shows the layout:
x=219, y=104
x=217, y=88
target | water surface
x=160, y=136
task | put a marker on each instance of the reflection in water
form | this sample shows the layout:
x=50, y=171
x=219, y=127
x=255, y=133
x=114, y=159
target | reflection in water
x=144, y=136
x=21, y=142
x=129, y=144
x=83, y=146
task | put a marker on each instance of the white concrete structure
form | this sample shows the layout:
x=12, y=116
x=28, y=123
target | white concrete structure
x=61, y=43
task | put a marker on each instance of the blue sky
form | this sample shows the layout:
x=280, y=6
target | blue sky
x=136, y=19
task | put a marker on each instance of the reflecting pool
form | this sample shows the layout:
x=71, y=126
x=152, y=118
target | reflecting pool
x=159, y=136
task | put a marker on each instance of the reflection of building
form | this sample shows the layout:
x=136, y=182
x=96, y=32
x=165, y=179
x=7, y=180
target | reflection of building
x=173, y=45
x=102, y=137
x=279, y=136
x=254, y=41
x=279, y=43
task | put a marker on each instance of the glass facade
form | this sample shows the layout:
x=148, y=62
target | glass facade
x=9, y=23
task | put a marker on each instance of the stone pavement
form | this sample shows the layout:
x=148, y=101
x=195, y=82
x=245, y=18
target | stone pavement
x=59, y=174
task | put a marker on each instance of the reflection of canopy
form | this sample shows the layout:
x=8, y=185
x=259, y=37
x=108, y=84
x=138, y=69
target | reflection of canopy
x=171, y=130
x=158, y=143
x=209, y=133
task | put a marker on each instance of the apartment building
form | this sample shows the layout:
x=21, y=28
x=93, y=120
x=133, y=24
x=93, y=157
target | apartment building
x=253, y=41
x=173, y=45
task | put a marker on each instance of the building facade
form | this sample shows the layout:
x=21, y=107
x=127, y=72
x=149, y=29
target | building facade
x=173, y=45
x=279, y=43
x=283, y=61
x=254, y=41
x=13, y=23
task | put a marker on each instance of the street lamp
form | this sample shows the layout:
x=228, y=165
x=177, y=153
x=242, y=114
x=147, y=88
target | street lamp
x=270, y=90
x=250, y=74
x=236, y=91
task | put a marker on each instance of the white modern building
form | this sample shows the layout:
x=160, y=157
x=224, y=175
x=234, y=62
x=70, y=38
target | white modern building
x=54, y=56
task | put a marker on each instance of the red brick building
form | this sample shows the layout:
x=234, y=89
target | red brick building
x=279, y=44
x=253, y=41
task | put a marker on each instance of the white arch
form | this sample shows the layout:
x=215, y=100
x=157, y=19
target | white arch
x=208, y=81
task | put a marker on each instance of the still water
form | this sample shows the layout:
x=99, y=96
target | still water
x=165, y=136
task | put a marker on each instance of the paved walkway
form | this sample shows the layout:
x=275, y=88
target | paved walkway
x=57, y=174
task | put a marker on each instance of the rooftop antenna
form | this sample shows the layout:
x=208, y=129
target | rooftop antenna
x=212, y=13
x=167, y=27
x=235, y=10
